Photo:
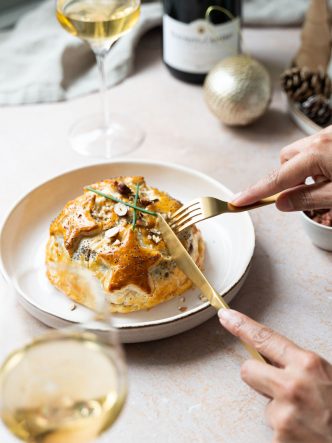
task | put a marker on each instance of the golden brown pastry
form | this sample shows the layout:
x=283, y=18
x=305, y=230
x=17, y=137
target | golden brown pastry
x=129, y=258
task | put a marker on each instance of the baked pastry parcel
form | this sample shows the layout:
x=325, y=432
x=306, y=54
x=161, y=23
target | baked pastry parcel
x=120, y=245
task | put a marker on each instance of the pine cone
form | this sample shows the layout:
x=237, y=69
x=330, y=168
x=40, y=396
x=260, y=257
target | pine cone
x=300, y=84
x=318, y=109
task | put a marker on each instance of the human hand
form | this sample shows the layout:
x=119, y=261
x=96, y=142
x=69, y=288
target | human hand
x=299, y=383
x=308, y=157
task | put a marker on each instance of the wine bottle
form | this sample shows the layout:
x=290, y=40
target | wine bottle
x=199, y=33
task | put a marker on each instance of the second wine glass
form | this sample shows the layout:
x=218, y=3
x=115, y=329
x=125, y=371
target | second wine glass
x=68, y=385
x=100, y=23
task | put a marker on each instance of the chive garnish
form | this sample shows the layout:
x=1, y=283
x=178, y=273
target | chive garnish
x=135, y=203
x=111, y=197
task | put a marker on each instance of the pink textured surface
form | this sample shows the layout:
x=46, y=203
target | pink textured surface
x=188, y=388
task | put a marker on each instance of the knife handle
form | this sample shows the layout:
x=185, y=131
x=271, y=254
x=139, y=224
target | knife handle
x=220, y=303
x=253, y=352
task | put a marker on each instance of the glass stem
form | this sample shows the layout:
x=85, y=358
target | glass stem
x=103, y=88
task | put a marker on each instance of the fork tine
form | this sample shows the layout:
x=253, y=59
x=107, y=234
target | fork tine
x=194, y=220
x=184, y=207
x=186, y=217
x=185, y=213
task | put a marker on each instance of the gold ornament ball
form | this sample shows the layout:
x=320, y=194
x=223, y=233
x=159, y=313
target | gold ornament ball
x=238, y=90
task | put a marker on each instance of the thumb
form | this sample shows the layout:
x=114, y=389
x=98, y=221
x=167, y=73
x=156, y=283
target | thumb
x=303, y=198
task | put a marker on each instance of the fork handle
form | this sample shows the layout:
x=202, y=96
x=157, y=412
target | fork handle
x=260, y=203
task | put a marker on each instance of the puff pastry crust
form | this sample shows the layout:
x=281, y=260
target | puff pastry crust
x=133, y=265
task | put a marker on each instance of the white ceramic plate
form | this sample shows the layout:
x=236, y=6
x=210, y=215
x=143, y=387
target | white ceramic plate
x=230, y=242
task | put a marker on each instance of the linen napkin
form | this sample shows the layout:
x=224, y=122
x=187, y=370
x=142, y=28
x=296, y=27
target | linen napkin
x=40, y=62
x=275, y=13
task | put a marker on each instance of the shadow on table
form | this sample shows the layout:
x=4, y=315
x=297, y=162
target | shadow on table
x=148, y=50
x=275, y=66
x=254, y=298
x=273, y=123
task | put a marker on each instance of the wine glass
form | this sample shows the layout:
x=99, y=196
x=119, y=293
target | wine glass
x=68, y=385
x=100, y=23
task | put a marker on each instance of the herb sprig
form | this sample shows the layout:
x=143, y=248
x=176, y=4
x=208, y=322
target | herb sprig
x=135, y=203
x=111, y=197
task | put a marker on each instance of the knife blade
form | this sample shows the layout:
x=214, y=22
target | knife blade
x=188, y=266
x=192, y=271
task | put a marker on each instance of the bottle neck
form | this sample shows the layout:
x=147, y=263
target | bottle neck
x=187, y=12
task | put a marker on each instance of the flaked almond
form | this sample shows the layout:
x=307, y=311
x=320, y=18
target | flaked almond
x=113, y=232
x=120, y=209
x=155, y=231
x=202, y=298
x=156, y=238
x=116, y=243
x=99, y=199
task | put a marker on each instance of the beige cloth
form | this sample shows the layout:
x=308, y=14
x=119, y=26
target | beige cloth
x=275, y=13
x=40, y=62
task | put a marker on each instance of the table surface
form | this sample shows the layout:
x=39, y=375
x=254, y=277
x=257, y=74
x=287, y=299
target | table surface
x=188, y=388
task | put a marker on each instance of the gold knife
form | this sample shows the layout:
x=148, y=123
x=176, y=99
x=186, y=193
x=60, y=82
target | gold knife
x=192, y=271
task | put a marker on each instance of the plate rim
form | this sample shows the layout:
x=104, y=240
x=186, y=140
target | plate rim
x=133, y=161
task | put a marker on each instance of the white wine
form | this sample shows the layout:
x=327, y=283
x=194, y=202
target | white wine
x=62, y=389
x=97, y=21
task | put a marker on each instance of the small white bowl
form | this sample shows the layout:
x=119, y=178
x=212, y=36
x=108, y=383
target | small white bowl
x=320, y=235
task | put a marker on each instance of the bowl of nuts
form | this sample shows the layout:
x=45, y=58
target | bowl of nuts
x=318, y=226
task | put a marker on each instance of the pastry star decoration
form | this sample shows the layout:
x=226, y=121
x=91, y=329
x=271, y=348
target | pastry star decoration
x=78, y=222
x=130, y=264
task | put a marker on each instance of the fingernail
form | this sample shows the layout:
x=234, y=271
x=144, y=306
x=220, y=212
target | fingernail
x=238, y=197
x=285, y=204
x=228, y=316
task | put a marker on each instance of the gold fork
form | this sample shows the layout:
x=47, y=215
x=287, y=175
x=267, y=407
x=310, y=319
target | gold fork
x=206, y=207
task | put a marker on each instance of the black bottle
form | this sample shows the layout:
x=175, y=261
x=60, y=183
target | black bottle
x=192, y=45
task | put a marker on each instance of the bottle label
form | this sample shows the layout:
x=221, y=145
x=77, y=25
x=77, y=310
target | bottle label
x=197, y=46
